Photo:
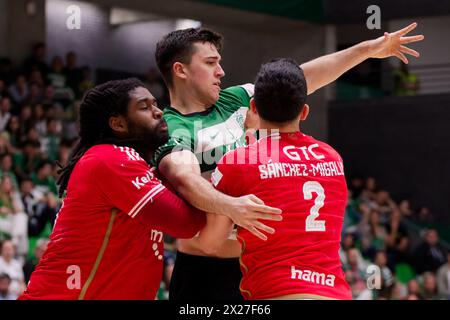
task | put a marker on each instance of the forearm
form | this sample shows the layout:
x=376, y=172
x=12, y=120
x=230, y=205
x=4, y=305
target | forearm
x=216, y=232
x=326, y=69
x=172, y=215
x=200, y=193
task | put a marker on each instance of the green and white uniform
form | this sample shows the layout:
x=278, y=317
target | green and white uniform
x=211, y=133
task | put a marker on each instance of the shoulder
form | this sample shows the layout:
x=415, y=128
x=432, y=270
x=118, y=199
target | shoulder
x=236, y=96
x=246, y=90
x=109, y=155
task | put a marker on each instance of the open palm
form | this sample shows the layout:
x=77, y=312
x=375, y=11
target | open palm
x=392, y=44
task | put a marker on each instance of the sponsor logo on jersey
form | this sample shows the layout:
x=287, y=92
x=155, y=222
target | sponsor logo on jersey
x=313, y=277
x=225, y=133
x=139, y=182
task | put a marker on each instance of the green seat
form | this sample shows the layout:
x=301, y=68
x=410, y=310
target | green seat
x=404, y=272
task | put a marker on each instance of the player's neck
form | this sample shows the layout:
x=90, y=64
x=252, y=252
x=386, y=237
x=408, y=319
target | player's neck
x=271, y=128
x=185, y=101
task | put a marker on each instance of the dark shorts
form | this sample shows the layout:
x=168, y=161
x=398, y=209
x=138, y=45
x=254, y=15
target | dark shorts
x=197, y=278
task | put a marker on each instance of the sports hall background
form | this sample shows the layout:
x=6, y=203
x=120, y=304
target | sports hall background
x=389, y=124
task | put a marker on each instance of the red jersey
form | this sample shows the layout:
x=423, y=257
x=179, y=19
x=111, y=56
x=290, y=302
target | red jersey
x=305, y=178
x=107, y=242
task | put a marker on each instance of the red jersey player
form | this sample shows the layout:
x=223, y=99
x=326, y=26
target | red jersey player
x=107, y=242
x=298, y=174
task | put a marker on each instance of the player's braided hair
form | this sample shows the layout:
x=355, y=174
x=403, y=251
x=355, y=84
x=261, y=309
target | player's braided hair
x=99, y=104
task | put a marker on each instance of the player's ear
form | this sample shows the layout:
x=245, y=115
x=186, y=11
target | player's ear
x=253, y=106
x=179, y=70
x=304, y=113
x=118, y=124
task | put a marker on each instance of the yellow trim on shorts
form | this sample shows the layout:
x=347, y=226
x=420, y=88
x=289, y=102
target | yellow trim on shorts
x=243, y=265
x=114, y=212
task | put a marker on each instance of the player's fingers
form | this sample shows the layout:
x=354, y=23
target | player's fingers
x=255, y=199
x=257, y=233
x=407, y=50
x=267, y=209
x=405, y=40
x=401, y=56
x=265, y=228
x=268, y=216
x=407, y=29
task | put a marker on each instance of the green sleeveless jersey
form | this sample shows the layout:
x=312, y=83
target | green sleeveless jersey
x=211, y=133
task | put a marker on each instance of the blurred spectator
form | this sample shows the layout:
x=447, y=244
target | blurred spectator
x=27, y=161
x=31, y=263
x=355, y=272
x=429, y=255
x=36, y=94
x=13, y=220
x=37, y=60
x=19, y=90
x=405, y=209
x=397, y=240
x=41, y=208
x=373, y=235
x=13, y=133
x=386, y=274
x=37, y=79
x=64, y=151
x=429, y=288
x=39, y=119
x=43, y=178
x=26, y=119
x=414, y=289
x=424, y=215
x=384, y=205
x=370, y=190
x=5, y=282
x=406, y=83
x=50, y=142
x=5, y=114
x=443, y=279
x=74, y=74
x=357, y=186
x=57, y=79
x=6, y=169
x=12, y=267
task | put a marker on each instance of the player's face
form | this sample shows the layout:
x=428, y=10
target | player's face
x=204, y=73
x=144, y=119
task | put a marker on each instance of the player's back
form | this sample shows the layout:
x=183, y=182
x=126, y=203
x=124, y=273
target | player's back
x=305, y=178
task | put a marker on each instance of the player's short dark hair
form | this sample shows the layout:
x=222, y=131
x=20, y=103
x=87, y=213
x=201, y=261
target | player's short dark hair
x=178, y=46
x=99, y=104
x=280, y=91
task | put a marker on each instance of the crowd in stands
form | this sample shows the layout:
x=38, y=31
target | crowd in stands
x=412, y=263
x=38, y=104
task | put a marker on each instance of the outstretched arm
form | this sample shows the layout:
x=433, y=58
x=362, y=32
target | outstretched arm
x=326, y=69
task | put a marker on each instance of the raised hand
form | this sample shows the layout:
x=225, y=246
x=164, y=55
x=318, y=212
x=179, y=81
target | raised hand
x=393, y=44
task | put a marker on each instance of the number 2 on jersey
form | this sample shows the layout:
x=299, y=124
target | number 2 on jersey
x=309, y=188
